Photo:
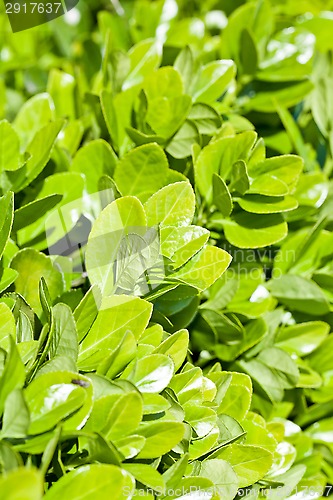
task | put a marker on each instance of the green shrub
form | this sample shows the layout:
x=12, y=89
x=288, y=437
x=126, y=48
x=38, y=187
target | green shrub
x=166, y=279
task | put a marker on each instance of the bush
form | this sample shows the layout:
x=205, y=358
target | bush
x=166, y=279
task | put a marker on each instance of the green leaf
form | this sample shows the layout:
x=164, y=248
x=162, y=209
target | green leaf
x=188, y=385
x=240, y=181
x=175, y=346
x=184, y=140
x=180, y=243
x=7, y=278
x=221, y=196
x=32, y=266
x=236, y=400
x=86, y=312
x=7, y=326
x=303, y=338
x=118, y=359
x=64, y=340
x=142, y=172
x=268, y=185
x=59, y=222
x=58, y=396
x=23, y=483
x=293, y=131
x=250, y=463
x=222, y=475
x=154, y=403
x=248, y=53
x=16, y=418
x=282, y=364
x=205, y=268
x=151, y=374
x=173, y=475
x=94, y=480
x=212, y=80
x=166, y=116
x=322, y=432
x=61, y=87
x=201, y=419
x=35, y=114
x=13, y=374
x=287, y=95
x=117, y=221
x=205, y=117
x=6, y=219
x=320, y=359
x=40, y=149
x=31, y=212
x=184, y=65
x=171, y=205
x=94, y=160
x=130, y=446
x=200, y=447
x=146, y=475
x=9, y=147
x=286, y=168
x=144, y=58
x=124, y=417
x=218, y=157
x=161, y=437
x=255, y=231
x=285, y=455
x=258, y=204
x=164, y=82
x=299, y=294
x=118, y=315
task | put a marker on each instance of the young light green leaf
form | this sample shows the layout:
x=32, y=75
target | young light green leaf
x=25, y=483
x=144, y=58
x=64, y=340
x=250, y=463
x=142, y=172
x=124, y=417
x=172, y=205
x=7, y=326
x=212, y=80
x=6, y=219
x=255, y=231
x=117, y=221
x=221, y=196
x=16, y=418
x=146, y=475
x=218, y=157
x=302, y=338
x=13, y=374
x=94, y=160
x=259, y=204
x=240, y=181
x=152, y=373
x=32, y=266
x=9, y=147
x=175, y=346
x=94, y=480
x=118, y=315
x=58, y=396
x=40, y=149
x=161, y=437
x=299, y=294
x=222, y=475
x=31, y=212
x=180, y=243
x=205, y=268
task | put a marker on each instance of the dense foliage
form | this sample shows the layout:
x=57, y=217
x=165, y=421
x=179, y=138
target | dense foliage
x=166, y=243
